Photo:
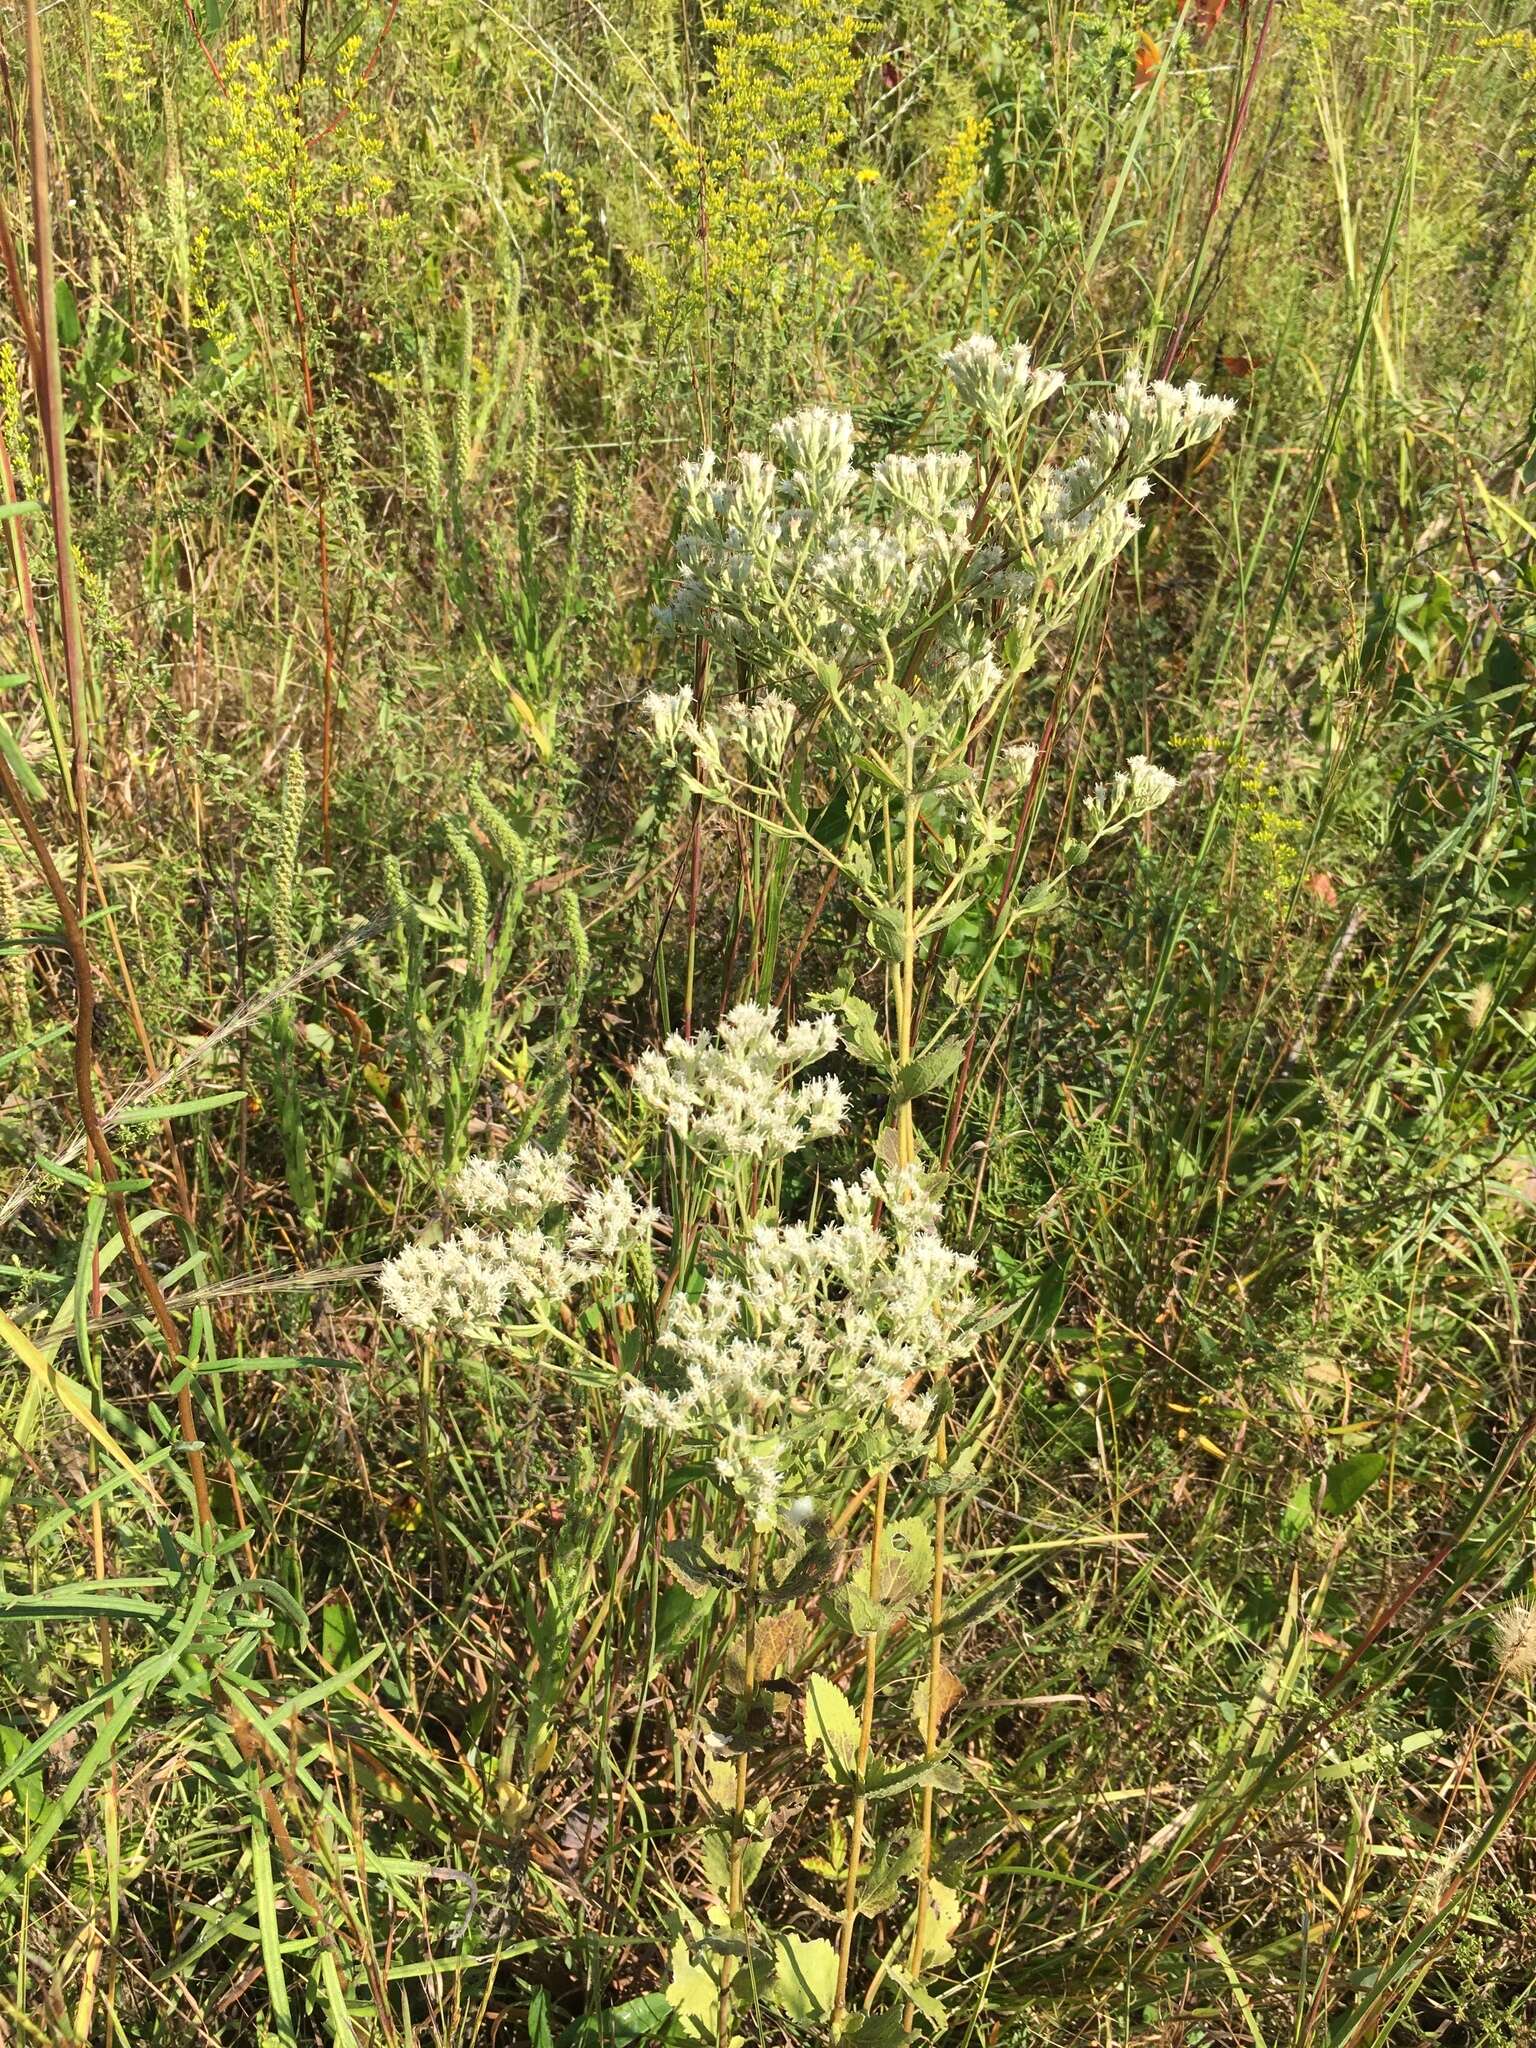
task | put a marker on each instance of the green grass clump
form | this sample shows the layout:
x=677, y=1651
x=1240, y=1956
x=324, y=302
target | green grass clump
x=1128, y=1640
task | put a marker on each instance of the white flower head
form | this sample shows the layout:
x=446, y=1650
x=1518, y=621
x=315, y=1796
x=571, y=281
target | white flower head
x=1150, y=786
x=1160, y=418
x=479, y=1187
x=732, y=1096
x=1141, y=786
x=610, y=1224
x=1001, y=384
x=817, y=443
x=671, y=719
x=860, y=1317
x=459, y=1286
x=537, y=1180
x=1514, y=1639
x=766, y=729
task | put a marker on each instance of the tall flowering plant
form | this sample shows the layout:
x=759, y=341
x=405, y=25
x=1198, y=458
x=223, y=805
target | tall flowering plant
x=862, y=638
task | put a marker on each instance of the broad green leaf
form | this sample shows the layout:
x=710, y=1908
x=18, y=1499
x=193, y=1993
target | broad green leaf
x=878, y=2029
x=1298, y=1512
x=693, y=1990
x=906, y=1561
x=928, y=1071
x=805, y=1977
x=861, y=1029
x=865, y=1617
x=1350, y=1478
x=831, y=1724
x=698, y=1570
x=944, y=1915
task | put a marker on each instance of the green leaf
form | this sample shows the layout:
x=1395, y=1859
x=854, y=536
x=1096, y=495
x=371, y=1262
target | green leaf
x=906, y=1561
x=878, y=2029
x=339, y=1640
x=831, y=1725
x=945, y=1911
x=27, y=1789
x=1042, y=897
x=1349, y=1479
x=887, y=777
x=861, y=1030
x=934, y=1771
x=715, y=1862
x=159, y=1112
x=693, y=1991
x=1298, y=1512
x=19, y=765
x=928, y=1071
x=865, y=1617
x=805, y=1978
x=698, y=1570
x=66, y=312
x=646, y=2018
x=887, y=932
x=539, y=2035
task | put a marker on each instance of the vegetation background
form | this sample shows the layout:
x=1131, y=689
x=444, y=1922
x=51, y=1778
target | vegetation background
x=381, y=332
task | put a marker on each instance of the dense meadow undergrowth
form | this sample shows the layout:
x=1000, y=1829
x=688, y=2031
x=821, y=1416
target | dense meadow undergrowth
x=770, y=1015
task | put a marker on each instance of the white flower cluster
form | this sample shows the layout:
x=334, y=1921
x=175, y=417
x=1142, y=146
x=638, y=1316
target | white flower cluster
x=1001, y=384
x=553, y=1237
x=760, y=730
x=733, y=1095
x=857, y=1317
x=1140, y=786
x=825, y=579
x=803, y=562
x=1152, y=419
x=459, y=1285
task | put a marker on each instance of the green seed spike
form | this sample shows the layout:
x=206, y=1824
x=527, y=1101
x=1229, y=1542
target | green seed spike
x=285, y=866
x=478, y=905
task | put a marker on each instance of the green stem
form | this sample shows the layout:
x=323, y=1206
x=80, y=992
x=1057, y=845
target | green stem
x=738, y=1894
x=931, y=1730
x=906, y=1143
x=866, y=1729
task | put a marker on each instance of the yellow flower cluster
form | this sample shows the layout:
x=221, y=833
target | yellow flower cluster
x=945, y=215
x=1520, y=45
x=760, y=176
x=1267, y=836
x=282, y=156
x=120, y=57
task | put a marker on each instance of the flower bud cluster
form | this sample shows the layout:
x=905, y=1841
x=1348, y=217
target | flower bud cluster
x=1134, y=790
x=1002, y=385
x=1153, y=420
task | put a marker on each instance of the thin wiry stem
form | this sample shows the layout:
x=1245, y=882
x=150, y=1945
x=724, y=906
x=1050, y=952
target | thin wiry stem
x=861, y=1766
x=71, y=907
x=931, y=1729
x=738, y=1895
